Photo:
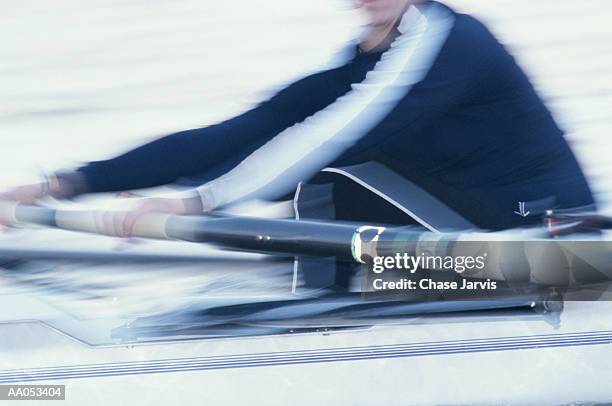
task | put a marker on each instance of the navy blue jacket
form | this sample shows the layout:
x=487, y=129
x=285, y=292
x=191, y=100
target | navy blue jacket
x=473, y=132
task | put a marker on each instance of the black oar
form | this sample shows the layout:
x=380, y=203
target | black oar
x=361, y=243
x=346, y=241
x=242, y=233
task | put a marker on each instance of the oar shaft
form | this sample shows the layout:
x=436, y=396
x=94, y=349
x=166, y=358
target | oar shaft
x=496, y=258
x=266, y=235
x=251, y=234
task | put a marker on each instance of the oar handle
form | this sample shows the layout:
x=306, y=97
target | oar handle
x=7, y=213
x=149, y=225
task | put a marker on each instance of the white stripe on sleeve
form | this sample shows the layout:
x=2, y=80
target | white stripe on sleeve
x=300, y=151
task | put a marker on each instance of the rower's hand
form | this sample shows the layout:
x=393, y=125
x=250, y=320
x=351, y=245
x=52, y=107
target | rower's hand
x=26, y=194
x=64, y=185
x=123, y=222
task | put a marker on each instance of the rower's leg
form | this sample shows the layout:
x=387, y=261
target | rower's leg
x=333, y=197
x=355, y=203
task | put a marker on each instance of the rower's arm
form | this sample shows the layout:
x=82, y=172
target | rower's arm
x=192, y=152
x=423, y=74
x=300, y=151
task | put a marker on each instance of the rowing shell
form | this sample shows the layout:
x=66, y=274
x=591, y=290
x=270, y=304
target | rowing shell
x=394, y=362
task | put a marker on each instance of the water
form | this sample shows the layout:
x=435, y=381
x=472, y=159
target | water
x=85, y=80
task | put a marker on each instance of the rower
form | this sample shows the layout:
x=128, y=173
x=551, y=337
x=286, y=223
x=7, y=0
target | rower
x=428, y=99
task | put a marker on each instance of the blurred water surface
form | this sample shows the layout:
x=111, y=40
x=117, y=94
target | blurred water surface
x=85, y=80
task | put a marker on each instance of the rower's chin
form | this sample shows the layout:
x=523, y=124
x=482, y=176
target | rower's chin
x=381, y=12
